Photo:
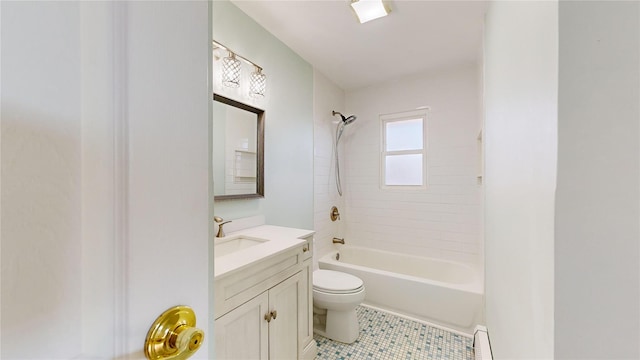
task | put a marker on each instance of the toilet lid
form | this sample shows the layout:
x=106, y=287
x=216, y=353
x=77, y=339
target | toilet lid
x=336, y=281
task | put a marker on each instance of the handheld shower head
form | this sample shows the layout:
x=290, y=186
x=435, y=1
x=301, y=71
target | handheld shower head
x=349, y=119
x=339, y=129
x=345, y=120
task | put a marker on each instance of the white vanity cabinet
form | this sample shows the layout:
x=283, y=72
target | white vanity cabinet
x=265, y=310
x=242, y=333
x=305, y=316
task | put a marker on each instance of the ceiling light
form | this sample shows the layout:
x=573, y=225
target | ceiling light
x=368, y=10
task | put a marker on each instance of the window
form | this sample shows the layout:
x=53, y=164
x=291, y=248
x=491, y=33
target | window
x=403, y=156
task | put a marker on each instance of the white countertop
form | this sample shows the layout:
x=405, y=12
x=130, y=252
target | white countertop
x=280, y=239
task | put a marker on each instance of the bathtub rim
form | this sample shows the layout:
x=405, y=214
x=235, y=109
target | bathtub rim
x=476, y=286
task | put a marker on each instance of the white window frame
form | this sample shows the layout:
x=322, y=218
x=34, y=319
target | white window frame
x=403, y=116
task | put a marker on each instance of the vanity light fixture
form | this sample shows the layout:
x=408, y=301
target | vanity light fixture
x=367, y=10
x=258, y=83
x=231, y=70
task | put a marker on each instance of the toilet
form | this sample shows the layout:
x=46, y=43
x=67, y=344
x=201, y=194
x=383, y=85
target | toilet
x=335, y=298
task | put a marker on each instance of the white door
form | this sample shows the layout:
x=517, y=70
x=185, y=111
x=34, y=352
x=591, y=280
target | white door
x=104, y=182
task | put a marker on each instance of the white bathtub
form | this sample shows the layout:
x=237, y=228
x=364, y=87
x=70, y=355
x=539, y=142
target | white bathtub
x=442, y=292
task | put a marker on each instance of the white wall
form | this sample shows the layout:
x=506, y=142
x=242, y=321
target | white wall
x=597, y=252
x=442, y=221
x=288, y=106
x=520, y=136
x=327, y=97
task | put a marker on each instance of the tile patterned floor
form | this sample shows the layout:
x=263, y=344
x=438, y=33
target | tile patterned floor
x=385, y=336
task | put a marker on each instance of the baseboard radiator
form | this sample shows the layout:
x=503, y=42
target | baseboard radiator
x=481, y=345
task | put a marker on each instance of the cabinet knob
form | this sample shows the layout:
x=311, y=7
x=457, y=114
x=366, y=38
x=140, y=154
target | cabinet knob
x=305, y=249
x=268, y=317
x=274, y=314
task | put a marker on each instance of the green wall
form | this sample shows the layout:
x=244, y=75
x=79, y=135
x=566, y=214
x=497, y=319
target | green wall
x=288, y=107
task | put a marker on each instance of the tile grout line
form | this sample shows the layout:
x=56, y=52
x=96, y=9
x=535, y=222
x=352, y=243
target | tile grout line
x=386, y=336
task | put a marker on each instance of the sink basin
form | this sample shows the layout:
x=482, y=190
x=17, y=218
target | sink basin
x=228, y=246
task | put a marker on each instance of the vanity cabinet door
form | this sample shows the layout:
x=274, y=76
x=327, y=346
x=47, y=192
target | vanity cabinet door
x=244, y=333
x=283, y=329
x=306, y=344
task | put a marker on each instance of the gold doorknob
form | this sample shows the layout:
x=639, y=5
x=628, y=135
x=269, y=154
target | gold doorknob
x=173, y=336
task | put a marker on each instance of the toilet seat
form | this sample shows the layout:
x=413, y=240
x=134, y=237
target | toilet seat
x=336, y=282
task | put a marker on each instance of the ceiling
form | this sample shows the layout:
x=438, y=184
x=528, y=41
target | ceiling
x=417, y=36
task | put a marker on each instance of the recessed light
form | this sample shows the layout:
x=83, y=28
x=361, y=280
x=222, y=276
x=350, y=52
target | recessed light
x=368, y=10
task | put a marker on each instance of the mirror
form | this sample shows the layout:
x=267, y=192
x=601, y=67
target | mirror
x=238, y=150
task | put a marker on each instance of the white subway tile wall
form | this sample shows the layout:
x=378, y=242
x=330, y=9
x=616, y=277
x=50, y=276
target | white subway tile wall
x=327, y=97
x=443, y=221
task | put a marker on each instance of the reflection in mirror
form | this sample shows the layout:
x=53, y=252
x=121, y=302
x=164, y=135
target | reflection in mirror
x=238, y=150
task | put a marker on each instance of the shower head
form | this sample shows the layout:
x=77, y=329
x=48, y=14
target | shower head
x=345, y=120
x=349, y=119
x=339, y=129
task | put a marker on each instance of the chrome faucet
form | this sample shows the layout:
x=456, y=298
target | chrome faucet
x=220, y=222
x=338, y=240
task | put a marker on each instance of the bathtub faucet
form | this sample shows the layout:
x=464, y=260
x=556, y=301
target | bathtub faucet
x=338, y=241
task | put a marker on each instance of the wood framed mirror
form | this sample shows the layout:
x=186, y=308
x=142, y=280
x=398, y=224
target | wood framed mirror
x=238, y=150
